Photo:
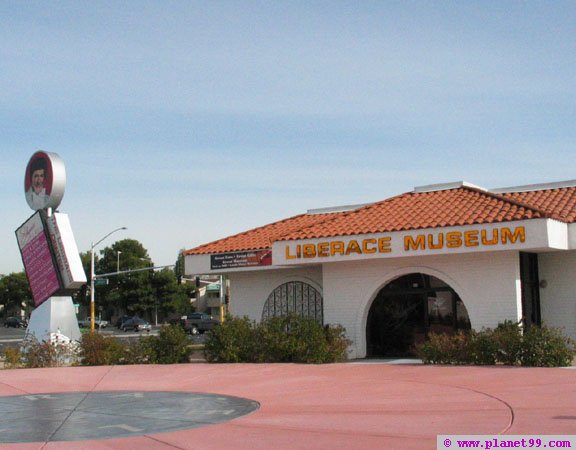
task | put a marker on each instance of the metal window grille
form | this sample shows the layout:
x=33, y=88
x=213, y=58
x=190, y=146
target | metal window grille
x=294, y=297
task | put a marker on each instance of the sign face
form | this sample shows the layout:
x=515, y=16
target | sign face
x=44, y=181
x=101, y=282
x=252, y=258
x=65, y=251
x=533, y=234
x=50, y=256
x=40, y=267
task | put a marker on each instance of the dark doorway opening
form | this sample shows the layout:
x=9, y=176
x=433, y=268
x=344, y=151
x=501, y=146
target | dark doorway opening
x=409, y=308
x=530, y=282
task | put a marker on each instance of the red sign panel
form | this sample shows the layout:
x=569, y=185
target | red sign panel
x=241, y=259
x=37, y=257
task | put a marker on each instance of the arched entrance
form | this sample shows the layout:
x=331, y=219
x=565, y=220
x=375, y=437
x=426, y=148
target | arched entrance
x=407, y=309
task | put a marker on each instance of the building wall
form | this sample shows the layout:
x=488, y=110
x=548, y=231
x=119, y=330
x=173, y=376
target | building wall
x=488, y=284
x=249, y=290
x=558, y=298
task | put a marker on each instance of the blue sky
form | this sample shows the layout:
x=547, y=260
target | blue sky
x=188, y=121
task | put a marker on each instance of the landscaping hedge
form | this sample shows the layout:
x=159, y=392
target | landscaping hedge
x=507, y=344
x=279, y=339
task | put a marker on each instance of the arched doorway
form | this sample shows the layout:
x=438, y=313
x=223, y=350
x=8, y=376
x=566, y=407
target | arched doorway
x=407, y=309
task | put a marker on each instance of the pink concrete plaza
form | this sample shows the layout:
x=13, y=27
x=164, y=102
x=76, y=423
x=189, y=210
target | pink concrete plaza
x=355, y=405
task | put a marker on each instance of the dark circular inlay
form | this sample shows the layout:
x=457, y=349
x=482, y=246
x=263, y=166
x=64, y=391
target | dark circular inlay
x=78, y=416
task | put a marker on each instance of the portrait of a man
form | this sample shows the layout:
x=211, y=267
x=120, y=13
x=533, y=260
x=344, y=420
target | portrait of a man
x=38, y=186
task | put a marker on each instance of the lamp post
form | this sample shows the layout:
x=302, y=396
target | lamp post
x=93, y=277
x=118, y=261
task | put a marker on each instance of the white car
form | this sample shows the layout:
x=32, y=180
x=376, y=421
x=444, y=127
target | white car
x=98, y=323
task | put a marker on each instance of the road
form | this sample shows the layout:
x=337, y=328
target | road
x=12, y=337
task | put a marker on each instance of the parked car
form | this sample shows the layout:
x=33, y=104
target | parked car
x=196, y=323
x=98, y=323
x=121, y=320
x=15, y=322
x=136, y=324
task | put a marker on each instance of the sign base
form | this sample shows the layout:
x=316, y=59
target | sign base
x=56, y=317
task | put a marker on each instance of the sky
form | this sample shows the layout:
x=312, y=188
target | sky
x=189, y=121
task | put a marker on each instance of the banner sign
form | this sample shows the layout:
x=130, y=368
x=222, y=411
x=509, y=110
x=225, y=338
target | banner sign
x=39, y=265
x=252, y=258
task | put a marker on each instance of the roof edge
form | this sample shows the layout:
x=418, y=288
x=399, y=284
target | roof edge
x=335, y=209
x=535, y=187
x=447, y=186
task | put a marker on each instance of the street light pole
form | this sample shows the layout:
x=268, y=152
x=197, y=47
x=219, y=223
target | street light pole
x=93, y=278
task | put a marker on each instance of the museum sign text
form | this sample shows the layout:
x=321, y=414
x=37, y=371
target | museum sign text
x=410, y=243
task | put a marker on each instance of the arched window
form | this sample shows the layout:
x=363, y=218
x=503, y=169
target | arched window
x=294, y=297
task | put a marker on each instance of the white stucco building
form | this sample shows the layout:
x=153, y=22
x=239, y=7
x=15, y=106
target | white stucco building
x=438, y=258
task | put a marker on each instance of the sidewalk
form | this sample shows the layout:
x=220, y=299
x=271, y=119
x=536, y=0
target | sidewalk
x=364, y=404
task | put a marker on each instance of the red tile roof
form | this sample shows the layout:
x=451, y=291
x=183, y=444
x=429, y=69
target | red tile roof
x=417, y=210
x=458, y=206
x=559, y=203
x=259, y=238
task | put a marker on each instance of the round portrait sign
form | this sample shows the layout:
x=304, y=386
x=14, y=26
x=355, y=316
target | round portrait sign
x=45, y=181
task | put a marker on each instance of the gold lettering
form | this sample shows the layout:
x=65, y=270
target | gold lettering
x=471, y=238
x=384, y=245
x=484, y=238
x=288, y=255
x=508, y=236
x=411, y=244
x=353, y=247
x=309, y=250
x=365, y=248
x=336, y=247
x=454, y=239
x=323, y=248
x=440, y=243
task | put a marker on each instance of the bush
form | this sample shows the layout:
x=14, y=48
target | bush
x=12, y=357
x=482, y=349
x=280, y=339
x=509, y=342
x=140, y=351
x=232, y=341
x=338, y=343
x=37, y=354
x=98, y=350
x=546, y=347
x=171, y=346
x=539, y=346
x=445, y=349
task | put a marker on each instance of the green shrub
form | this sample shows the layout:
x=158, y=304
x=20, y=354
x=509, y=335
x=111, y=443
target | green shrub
x=482, y=348
x=12, y=357
x=291, y=339
x=546, y=347
x=98, y=350
x=539, y=346
x=508, y=338
x=171, y=346
x=445, y=349
x=140, y=351
x=338, y=343
x=298, y=339
x=233, y=341
x=280, y=339
x=47, y=354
